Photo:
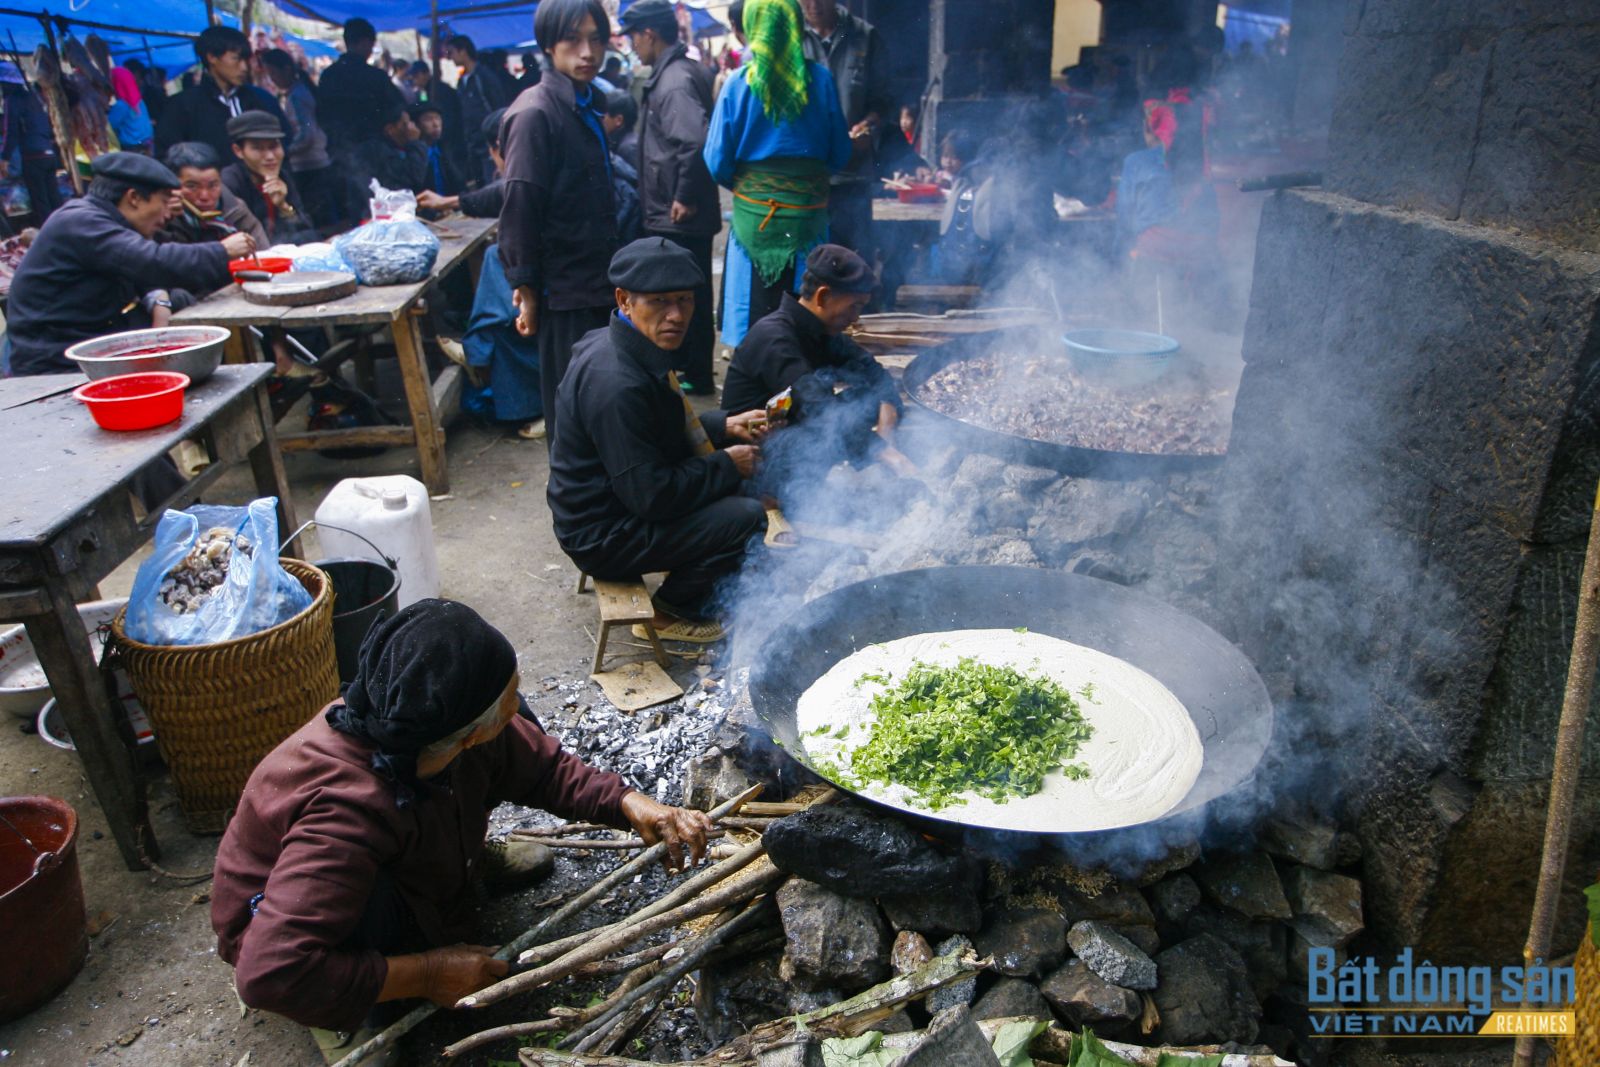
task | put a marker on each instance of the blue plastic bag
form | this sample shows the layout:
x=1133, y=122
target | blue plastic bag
x=257, y=593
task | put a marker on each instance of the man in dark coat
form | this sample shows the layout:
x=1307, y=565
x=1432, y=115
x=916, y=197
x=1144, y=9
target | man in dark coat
x=204, y=209
x=844, y=405
x=481, y=91
x=258, y=178
x=637, y=483
x=677, y=196
x=352, y=94
x=442, y=174
x=853, y=53
x=95, y=269
x=394, y=158
x=558, y=226
x=448, y=101
x=29, y=146
x=345, y=881
x=201, y=112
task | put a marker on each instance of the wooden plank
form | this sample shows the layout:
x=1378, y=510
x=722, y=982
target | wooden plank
x=624, y=601
x=419, y=398
x=355, y=437
x=633, y=686
x=266, y=464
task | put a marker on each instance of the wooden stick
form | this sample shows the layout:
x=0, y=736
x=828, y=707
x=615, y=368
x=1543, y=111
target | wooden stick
x=593, y=1034
x=413, y=1018
x=748, y=824
x=561, y=831
x=603, y=843
x=561, y=1018
x=623, y=964
x=737, y=892
x=1564, y=778
x=705, y=879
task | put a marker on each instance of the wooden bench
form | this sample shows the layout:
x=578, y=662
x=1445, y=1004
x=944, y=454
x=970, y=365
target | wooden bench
x=622, y=604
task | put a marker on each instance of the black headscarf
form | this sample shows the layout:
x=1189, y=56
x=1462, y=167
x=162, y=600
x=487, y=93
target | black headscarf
x=424, y=674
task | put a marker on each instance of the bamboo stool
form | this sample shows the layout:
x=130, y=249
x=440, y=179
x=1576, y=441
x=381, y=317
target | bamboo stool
x=622, y=604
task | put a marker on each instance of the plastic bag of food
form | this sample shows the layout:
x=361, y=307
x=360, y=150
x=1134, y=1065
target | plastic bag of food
x=395, y=204
x=214, y=576
x=318, y=256
x=390, y=252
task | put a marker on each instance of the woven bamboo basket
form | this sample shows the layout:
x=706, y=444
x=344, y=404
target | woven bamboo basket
x=1582, y=1047
x=218, y=709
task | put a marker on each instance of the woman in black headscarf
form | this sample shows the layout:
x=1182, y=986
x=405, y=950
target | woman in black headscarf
x=345, y=878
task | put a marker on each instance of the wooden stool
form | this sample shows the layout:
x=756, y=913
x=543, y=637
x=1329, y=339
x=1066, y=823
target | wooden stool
x=622, y=603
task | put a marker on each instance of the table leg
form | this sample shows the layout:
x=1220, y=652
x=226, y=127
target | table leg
x=419, y=397
x=233, y=349
x=266, y=463
x=103, y=742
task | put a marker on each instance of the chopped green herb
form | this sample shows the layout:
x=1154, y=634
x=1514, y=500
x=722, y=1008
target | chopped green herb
x=880, y=678
x=1087, y=692
x=842, y=732
x=942, y=731
x=1019, y=629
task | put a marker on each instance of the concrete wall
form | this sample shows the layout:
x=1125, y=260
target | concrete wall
x=1077, y=24
x=1415, y=455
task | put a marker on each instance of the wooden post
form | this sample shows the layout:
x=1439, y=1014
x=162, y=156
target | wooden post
x=433, y=41
x=1564, y=777
x=211, y=13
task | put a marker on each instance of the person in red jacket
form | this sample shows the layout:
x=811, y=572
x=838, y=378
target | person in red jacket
x=345, y=880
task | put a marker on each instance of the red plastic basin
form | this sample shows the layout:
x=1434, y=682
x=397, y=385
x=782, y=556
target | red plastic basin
x=920, y=193
x=135, y=401
x=271, y=264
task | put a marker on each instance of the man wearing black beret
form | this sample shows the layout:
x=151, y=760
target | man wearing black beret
x=95, y=269
x=638, y=482
x=842, y=396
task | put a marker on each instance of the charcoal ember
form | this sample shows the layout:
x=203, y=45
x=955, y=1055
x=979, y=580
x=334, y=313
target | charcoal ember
x=1247, y=882
x=1112, y=956
x=1081, y=997
x=1204, y=993
x=1046, y=399
x=1012, y=998
x=864, y=854
x=1024, y=942
x=832, y=940
x=713, y=778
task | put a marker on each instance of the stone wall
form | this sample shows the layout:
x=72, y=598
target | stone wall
x=1415, y=453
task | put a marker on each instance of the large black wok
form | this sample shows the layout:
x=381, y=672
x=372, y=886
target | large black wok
x=1217, y=685
x=1068, y=459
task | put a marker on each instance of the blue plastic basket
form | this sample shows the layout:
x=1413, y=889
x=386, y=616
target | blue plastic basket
x=1120, y=357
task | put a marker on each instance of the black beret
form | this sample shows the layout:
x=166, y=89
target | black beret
x=254, y=125
x=643, y=14
x=655, y=265
x=840, y=269
x=136, y=170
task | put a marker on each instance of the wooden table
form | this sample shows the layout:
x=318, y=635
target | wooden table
x=931, y=214
x=67, y=520
x=461, y=240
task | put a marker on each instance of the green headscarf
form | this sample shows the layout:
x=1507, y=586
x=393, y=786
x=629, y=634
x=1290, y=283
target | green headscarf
x=776, y=71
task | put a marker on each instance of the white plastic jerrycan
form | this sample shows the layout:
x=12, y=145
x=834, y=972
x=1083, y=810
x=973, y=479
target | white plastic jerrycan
x=391, y=512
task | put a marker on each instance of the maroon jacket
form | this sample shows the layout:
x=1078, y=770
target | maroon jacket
x=316, y=824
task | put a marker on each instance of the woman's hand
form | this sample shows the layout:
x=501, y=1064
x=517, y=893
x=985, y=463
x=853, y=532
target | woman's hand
x=678, y=827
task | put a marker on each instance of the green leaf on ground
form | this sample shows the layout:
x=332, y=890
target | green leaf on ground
x=1011, y=1042
x=864, y=1050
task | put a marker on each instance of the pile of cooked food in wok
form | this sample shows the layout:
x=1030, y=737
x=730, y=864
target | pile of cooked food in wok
x=1047, y=398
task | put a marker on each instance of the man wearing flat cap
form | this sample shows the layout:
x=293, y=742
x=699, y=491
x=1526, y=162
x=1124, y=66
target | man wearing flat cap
x=258, y=178
x=638, y=482
x=677, y=195
x=347, y=880
x=842, y=397
x=95, y=269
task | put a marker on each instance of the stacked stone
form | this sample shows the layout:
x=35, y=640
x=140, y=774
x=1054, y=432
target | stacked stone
x=1212, y=951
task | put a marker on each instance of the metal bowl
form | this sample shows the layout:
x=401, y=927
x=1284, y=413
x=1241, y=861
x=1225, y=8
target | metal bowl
x=23, y=687
x=198, y=351
x=1120, y=357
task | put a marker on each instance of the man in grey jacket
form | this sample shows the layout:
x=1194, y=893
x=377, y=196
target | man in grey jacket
x=854, y=54
x=677, y=196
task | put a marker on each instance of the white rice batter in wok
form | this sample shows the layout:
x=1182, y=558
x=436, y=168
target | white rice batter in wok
x=1143, y=758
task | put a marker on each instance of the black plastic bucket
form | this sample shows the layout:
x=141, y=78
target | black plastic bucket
x=363, y=589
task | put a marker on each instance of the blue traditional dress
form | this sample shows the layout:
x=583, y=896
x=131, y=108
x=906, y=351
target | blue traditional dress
x=743, y=146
